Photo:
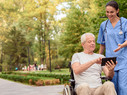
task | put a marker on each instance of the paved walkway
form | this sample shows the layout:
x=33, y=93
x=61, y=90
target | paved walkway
x=13, y=88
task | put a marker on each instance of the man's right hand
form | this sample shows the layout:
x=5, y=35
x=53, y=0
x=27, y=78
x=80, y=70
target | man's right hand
x=98, y=60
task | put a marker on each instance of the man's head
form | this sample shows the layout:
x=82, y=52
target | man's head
x=88, y=42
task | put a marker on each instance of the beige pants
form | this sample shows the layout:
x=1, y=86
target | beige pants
x=106, y=89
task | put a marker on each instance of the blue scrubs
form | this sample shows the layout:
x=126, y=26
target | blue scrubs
x=111, y=37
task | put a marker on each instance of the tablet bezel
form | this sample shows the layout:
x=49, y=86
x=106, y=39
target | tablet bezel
x=104, y=60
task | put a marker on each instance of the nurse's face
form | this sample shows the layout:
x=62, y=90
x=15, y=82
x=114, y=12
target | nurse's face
x=111, y=12
x=89, y=44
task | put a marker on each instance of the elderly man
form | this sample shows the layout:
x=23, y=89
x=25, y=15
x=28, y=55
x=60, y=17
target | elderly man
x=87, y=68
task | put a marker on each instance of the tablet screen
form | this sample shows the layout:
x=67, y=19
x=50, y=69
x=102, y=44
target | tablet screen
x=104, y=60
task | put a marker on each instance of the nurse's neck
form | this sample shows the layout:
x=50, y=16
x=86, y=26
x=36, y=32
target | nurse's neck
x=114, y=20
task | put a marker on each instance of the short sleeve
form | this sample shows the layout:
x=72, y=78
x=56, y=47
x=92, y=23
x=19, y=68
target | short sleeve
x=75, y=58
x=126, y=30
x=101, y=39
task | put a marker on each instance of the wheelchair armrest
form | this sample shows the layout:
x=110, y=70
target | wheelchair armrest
x=71, y=80
x=105, y=78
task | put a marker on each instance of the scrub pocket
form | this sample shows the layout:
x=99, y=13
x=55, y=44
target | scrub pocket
x=119, y=38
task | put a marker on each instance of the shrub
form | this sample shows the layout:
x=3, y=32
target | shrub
x=25, y=77
x=30, y=81
x=39, y=83
x=47, y=82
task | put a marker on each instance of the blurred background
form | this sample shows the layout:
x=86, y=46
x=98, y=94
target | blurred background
x=47, y=32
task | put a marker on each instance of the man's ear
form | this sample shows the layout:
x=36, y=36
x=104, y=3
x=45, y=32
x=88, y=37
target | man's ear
x=82, y=44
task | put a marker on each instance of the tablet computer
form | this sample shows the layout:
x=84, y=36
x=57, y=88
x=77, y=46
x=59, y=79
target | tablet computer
x=104, y=60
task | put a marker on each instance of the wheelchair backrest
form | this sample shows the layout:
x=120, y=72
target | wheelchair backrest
x=71, y=75
x=70, y=68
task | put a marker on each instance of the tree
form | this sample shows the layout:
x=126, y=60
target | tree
x=15, y=48
x=88, y=15
x=80, y=19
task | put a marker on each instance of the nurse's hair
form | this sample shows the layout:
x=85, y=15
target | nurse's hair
x=113, y=4
x=83, y=37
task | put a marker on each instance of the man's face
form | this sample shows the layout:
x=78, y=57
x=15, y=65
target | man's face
x=89, y=44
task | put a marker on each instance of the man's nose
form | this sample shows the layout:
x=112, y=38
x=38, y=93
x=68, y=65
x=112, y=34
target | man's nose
x=93, y=42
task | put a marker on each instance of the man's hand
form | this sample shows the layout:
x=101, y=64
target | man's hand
x=110, y=65
x=98, y=60
x=109, y=69
x=119, y=47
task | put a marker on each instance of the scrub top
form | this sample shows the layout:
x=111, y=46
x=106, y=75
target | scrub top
x=111, y=37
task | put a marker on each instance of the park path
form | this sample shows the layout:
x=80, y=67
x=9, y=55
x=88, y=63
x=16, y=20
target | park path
x=14, y=88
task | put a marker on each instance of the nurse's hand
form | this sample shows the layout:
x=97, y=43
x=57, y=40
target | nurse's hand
x=119, y=47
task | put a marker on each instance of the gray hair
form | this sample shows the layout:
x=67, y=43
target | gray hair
x=83, y=37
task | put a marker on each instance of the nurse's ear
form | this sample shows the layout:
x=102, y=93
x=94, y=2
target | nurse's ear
x=117, y=12
x=116, y=62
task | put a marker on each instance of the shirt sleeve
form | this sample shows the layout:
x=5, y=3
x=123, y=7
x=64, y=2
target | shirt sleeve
x=101, y=39
x=75, y=58
x=126, y=30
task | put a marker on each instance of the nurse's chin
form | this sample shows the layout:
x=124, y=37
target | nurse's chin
x=110, y=18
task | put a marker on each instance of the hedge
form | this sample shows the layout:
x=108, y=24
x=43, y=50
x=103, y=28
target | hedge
x=62, y=77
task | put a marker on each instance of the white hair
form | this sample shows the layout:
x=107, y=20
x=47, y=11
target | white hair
x=83, y=37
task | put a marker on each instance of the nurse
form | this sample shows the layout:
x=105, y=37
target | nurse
x=113, y=37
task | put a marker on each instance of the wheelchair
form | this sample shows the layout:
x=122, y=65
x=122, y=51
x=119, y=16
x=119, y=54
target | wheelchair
x=69, y=89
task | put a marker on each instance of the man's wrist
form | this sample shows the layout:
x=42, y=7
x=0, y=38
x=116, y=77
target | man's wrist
x=93, y=61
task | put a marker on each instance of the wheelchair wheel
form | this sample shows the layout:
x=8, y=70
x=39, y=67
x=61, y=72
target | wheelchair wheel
x=66, y=90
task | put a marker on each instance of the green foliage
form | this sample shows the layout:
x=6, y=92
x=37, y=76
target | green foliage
x=36, y=20
x=122, y=7
x=23, y=78
x=32, y=18
x=26, y=76
x=15, y=49
x=75, y=24
x=80, y=20
x=58, y=63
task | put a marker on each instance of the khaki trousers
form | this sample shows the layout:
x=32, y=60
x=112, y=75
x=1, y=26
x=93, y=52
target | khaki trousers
x=106, y=89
